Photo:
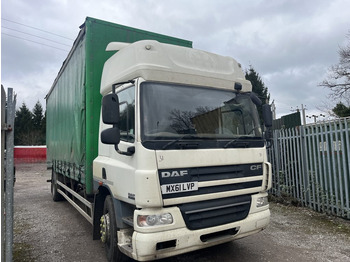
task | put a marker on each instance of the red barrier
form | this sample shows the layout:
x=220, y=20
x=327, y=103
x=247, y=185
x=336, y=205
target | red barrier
x=30, y=154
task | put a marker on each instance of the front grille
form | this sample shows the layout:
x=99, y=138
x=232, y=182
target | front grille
x=215, y=179
x=214, y=173
x=215, y=212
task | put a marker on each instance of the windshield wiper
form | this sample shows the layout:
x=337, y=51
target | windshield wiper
x=239, y=143
x=187, y=136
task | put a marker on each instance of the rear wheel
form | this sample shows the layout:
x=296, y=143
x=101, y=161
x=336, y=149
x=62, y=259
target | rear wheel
x=109, y=232
x=55, y=195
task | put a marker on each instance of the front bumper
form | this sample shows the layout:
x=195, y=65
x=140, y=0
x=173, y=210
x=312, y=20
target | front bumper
x=157, y=245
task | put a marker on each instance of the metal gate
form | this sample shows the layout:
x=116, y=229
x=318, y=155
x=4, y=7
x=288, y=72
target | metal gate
x=311, y=164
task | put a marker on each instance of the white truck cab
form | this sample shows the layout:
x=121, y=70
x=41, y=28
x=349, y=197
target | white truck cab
x=182, y=159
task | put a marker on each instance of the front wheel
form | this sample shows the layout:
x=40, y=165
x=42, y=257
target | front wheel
x=109, y=232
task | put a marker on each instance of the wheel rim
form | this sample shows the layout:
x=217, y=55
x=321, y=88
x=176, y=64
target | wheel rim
x=105, y=225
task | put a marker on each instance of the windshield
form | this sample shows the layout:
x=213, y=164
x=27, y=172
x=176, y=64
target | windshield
x=175, y=113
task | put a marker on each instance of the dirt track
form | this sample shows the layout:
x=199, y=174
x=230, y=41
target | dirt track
x=54, y=231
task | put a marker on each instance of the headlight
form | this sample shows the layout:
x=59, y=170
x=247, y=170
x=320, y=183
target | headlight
x=154, y=220
x=262, y=201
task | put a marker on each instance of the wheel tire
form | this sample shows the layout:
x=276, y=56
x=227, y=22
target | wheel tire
x=55, y=195
x=111, y=245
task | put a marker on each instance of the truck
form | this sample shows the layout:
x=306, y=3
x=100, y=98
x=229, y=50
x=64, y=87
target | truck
x=157, y=144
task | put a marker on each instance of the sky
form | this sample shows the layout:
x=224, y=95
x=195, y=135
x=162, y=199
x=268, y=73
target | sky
x=290, y=43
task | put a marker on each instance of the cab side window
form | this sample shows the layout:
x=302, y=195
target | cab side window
x=127, y=114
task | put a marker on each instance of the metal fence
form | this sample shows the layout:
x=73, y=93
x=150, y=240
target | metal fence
x=8, y=109
x=311, y=164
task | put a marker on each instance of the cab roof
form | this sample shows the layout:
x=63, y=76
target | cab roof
x=155, y=61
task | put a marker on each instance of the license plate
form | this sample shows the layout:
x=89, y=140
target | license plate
x=179, y=187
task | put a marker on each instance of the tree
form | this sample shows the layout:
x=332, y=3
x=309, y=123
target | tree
x=259, y=87
x=30, y=127
x=341, y=110
x=38, y=124
x=23, y=126
x=37, y=116
x=338, y=79
x=43, y=129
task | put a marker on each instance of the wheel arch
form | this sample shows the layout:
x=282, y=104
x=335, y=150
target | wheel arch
x=99, y=198
x=121, y=210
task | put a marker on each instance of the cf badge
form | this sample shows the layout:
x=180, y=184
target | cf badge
x=255, y=167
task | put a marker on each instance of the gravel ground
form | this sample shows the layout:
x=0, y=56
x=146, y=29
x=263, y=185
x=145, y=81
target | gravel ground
x=54, y=231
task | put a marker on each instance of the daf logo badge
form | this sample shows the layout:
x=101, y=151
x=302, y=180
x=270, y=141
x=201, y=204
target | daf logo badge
x=174, y=173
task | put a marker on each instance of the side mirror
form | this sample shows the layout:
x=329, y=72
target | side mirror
x=256, y=100
x=110, y=109
x=110, y=136
x=110, y=116
x=267, y=115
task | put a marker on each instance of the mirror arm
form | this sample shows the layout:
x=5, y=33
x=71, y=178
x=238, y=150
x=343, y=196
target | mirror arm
x=121, y=83
x=269, y=137
x=130, y=151
x=269, y=143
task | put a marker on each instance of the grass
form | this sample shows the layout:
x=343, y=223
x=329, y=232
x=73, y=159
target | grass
x=22, y=252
